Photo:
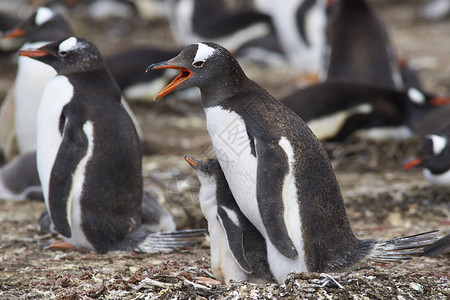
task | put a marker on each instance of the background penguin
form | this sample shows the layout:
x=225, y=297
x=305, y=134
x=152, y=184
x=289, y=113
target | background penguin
x=433, y=156
x=359, y=48
x=42, y=27
x=89, y=154
x=19, y=179
x=337, y=109
x=127, y=68
x=238, y=250
x=300, y=25
x=198, y=20
x=277, y=170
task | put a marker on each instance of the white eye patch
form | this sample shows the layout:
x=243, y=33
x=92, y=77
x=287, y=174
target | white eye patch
x=203, y=53
x=416, y=96
x=439, y=143
x=43, y=14
x=68, y=44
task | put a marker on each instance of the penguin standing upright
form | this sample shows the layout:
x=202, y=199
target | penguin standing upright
x=238, y=250
x=300, y=26
x=89, y=153
x=277, y=170
x=42, y=27
x=358, y=47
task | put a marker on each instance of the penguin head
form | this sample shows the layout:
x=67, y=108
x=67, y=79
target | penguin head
x=420, y=99
x=206, y=170
x=70, y=55
x=44, y=25
x=205, y=65
x=432, y=154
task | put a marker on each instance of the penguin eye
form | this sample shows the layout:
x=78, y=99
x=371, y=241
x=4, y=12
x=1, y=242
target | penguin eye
x=62, y=53
x=198, y=64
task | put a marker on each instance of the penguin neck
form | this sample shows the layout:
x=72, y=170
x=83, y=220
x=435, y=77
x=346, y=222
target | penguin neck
x=217, y=91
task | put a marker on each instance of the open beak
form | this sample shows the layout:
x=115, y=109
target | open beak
x=15, y=33
x=32, y=53
x=438, y=101
x=191, y=161
x=184, y=75
x=411, y=163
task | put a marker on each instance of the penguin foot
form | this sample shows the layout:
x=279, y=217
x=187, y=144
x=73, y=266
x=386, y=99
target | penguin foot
x=60, y=245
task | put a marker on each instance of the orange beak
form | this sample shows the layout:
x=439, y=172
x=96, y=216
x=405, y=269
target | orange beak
x=438, y=101
x=414, y=162
x=15, y=33
x=184, y=75
x=32, y=53
x=190, y=161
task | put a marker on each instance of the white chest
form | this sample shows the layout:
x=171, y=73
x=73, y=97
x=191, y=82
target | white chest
x=440, y=182
x=232, y=146
x=56, y=95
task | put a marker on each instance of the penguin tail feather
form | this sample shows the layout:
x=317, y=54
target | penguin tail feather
x=145, y=241
x=439, y=247
x=403, y=248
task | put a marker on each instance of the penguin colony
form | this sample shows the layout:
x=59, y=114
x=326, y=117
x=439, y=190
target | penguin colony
x=270, y=196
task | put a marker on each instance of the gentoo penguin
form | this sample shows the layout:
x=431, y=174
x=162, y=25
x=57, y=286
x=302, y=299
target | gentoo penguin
x=336, y=109
x=277, y=170
x=89, y=153
x=300, y=26
x=439, y=247
x=238, y=250
x=198, y=20
x=42, y=27
x=433, y=156
x=358, y=47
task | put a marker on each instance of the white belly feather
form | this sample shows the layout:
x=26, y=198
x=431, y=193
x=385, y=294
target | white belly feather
x=232, y=146
x=56, y=95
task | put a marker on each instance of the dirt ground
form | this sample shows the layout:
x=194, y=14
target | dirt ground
x=382, y=200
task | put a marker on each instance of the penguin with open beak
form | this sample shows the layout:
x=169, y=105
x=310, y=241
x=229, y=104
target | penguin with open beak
x=277, y=170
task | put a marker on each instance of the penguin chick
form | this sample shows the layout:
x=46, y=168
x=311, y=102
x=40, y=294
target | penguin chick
x=238, y=250
x=433, y=156
x=89, y=155
x=277, y=170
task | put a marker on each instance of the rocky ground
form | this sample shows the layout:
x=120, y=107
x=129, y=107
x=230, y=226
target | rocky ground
x=382, y=200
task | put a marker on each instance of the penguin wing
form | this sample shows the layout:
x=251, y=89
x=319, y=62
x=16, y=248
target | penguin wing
x=72, y=149
x=235, y=238
x=273, y=166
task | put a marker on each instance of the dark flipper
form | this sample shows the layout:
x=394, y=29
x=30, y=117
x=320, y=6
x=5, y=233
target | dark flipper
x=235, y=237
x=273, y=166
x=73, y=148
